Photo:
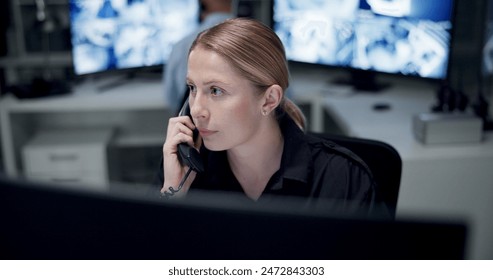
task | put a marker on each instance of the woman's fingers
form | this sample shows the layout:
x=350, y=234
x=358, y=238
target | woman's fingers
x=180, y=130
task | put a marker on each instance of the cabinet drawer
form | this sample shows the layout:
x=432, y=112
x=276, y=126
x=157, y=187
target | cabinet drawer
x=91, y=180
x=64, y=159
x=76, y=151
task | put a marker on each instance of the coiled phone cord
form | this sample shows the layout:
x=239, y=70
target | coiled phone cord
x=171, y=191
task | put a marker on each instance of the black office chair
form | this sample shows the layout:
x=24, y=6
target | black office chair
x=383, y=160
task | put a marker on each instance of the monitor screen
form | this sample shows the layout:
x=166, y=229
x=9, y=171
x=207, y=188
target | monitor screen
x=405, y=37
x=122, y=34
x=488, y=40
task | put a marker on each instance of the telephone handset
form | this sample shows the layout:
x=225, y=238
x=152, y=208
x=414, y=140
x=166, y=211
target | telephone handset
x=186, y=154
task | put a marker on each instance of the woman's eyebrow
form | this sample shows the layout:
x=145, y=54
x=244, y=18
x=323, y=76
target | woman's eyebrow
x=215, y=82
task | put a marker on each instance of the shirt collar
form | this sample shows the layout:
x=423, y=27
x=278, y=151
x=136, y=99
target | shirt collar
x=295, y=161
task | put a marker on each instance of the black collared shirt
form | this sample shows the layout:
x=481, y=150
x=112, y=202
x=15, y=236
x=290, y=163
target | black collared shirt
x=311, y=168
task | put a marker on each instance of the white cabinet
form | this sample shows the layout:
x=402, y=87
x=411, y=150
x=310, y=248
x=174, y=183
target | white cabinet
x=135, y=112
x=75, y=157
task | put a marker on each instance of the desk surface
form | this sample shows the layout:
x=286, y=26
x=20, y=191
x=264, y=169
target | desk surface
x=141, y=93
x=354, y=114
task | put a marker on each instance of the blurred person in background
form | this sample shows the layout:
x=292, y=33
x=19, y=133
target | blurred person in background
x=175, y=72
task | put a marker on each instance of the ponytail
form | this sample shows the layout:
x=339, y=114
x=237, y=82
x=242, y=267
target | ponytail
x=289, y=107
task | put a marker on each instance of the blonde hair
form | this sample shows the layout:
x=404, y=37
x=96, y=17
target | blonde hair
x=257, y=53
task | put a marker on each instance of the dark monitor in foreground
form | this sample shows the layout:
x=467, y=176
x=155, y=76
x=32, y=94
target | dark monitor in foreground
x=46, y=222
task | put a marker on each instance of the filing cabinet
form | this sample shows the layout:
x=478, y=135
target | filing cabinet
x=69, y=157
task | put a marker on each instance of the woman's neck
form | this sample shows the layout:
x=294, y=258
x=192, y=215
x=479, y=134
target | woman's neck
x=254, y=163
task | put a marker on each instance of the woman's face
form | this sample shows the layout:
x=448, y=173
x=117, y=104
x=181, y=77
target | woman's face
x=224, y=105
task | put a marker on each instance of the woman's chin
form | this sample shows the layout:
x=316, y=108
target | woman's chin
x=212, y=147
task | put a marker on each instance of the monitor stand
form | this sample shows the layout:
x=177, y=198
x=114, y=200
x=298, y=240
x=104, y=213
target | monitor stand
x=116, y=82
x=362, y=81
x=481, y=109
x=123, y=78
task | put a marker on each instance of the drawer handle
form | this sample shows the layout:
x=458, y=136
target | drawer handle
x=66, y=180
x=70, y=157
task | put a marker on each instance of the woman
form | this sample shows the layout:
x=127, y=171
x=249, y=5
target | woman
x=252, y=138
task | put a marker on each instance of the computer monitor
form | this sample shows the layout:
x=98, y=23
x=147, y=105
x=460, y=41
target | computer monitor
x=127, y=34
x=482, y=104
x=487, y=56
x=398, y=37
x=51, y=222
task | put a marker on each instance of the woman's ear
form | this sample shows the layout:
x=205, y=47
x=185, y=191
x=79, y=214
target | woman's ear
x=272, y=98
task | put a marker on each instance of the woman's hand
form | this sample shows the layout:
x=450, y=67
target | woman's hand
x=180, y=130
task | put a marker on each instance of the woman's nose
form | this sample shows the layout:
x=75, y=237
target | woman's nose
x=198, y=106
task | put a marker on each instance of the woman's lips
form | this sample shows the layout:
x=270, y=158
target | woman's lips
x=206, y=132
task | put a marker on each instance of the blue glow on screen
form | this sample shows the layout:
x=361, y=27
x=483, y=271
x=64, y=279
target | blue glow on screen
x=488, y=41
x=409, y=37
x=121, y=34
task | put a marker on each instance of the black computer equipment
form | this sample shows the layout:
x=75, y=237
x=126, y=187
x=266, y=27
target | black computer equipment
x=44, y=221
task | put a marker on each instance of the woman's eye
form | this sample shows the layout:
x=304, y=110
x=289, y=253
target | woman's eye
x=216, y=91
x=192, y=89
